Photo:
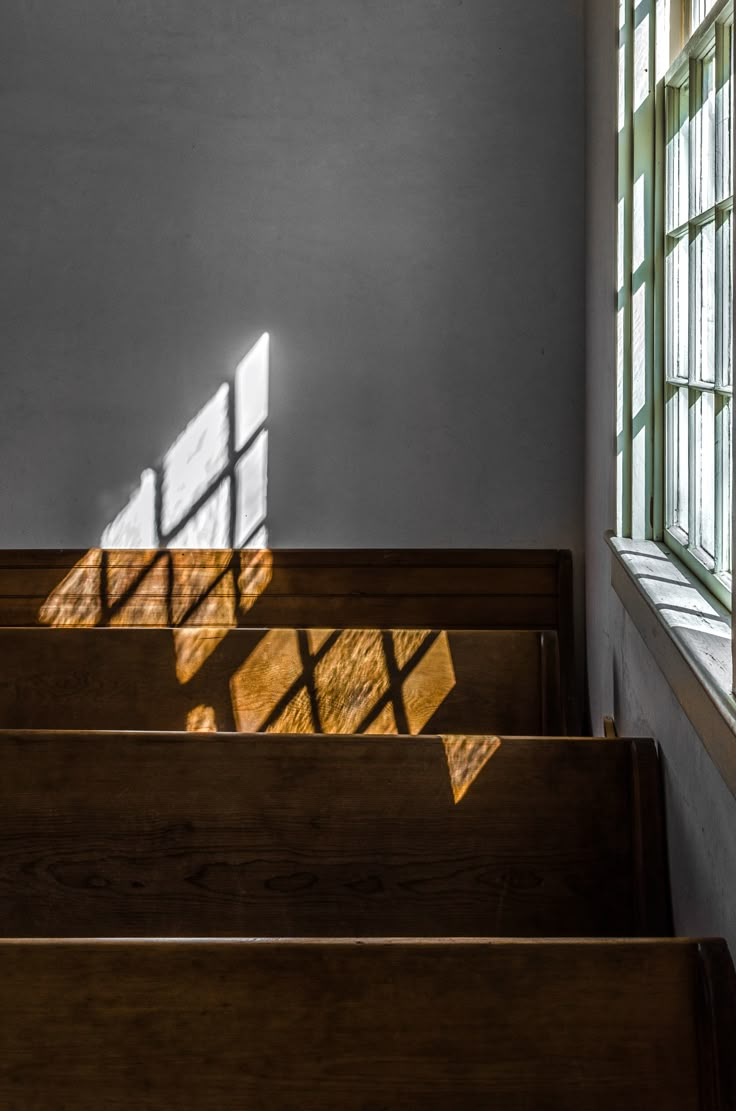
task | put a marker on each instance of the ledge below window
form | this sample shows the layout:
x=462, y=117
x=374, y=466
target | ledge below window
x=688, y=632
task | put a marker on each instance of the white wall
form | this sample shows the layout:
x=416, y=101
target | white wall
x=624, y=680
x=393, y=189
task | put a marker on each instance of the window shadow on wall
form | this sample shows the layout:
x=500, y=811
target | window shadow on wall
x=187, y=557
x=210, y=489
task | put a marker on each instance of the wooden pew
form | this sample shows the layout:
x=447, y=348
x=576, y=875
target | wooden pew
x=230, y=835
x=331, y=641
x=282, y=680
x=356, y=1025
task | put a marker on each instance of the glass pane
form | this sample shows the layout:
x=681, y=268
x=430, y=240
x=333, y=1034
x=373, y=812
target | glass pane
x=677, y=157
x=677, y=458
x=703, y=356
x=724, y=95
x=665, y=15
x=642, y=59
x=725, y=275
x=677, y=307
x=705, y=477
x=621, y=82
x=703, y=146
x=724, y=449
x=699, y=9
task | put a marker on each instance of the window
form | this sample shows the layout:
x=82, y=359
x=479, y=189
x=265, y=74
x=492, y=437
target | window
x=675, y=280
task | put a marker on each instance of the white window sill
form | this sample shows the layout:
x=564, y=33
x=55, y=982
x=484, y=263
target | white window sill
x=688, y=632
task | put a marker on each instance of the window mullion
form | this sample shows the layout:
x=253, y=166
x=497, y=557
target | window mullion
x=642, y=276
x=659, y=496
x=720, y=408
x=626, y=193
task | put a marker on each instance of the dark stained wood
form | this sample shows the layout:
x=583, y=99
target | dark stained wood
x=448, y=589
x=323, y=681
x=131, y=835
x=342, y=611
x=553, y=711
x=649, y=840
x=350, y=1026
x=566, y=635
x=210, y=595
x=716, y=1023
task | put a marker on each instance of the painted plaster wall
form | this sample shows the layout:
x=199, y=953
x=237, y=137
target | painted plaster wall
x=701, y=811
x=623, y=678
x=392, y=189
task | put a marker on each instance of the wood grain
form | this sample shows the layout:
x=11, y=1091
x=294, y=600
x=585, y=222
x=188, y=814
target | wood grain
x=357, y=680
x=203, y=598
x=227, y=835
x=438, y=588
x=350, y=1026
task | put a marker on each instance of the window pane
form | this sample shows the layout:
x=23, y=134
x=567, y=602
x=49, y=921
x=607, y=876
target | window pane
x=703, y=303
x=677, y=307
x=677, y=157
x=724, y=96
x=642, y=66
x=724, y=449
x=699, y=9
x=704, y=476
x=725, y=271
x=677, y=458
x=703, y=145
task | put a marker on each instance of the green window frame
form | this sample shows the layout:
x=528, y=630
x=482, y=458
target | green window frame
x=675, y=281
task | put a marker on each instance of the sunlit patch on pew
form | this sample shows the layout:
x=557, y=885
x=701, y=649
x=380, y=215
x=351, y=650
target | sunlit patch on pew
x=77, y=600
x=202, y=719
x=137, y=594
x=256, y=572
x=350, y=681
x=193, y=647
x=268, y=674
x=427, y=684
x=466, y=758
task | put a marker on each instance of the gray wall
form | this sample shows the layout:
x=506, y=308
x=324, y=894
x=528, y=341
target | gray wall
x=624, y=680
x=392, y=188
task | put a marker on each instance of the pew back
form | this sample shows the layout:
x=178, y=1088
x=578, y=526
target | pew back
x=281, y=1026
x=230, y=835
x=332, y=642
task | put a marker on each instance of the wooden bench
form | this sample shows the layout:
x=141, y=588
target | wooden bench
x=309, y=641
x=349, y=1026
x=230, y=835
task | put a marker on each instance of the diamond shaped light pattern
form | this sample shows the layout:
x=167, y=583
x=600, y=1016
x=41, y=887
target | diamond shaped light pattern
x=189, y=552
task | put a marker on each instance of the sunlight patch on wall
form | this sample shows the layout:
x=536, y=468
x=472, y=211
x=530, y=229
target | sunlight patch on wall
x=135, y=525
x=251, y=392
x=210, y=489
x=642, y=80
x=208, y=493
x=195, y=462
